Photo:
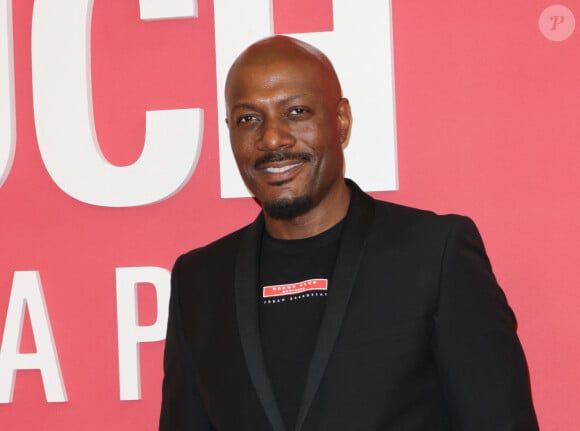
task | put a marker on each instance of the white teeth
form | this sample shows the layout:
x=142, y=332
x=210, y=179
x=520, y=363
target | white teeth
x=274, y=170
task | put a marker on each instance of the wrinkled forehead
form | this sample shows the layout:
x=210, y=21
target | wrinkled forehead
x=268, y=71
x=279, y=48
x=276, y=81
x=264, y=63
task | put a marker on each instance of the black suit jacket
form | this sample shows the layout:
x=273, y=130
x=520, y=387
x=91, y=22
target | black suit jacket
x=416, y=335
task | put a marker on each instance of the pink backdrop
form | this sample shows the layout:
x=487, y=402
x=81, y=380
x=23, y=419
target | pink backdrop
x=487, y=125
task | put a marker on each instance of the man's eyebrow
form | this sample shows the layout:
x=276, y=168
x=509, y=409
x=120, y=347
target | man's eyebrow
x=292, y=97
x=252, y=106
x=243, y=105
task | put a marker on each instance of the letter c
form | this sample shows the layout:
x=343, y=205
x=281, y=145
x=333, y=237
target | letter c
x=64, y=119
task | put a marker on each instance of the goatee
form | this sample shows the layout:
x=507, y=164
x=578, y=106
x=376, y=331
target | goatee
x=287, y=209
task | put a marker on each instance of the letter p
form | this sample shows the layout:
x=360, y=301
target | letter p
x=130, y=334
x=556, y=21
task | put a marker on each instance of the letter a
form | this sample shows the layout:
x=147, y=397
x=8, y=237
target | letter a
x=27, y=291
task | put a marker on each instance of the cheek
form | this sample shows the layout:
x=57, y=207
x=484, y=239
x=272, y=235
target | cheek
x=308, y=133
x=245, y=160
x=332, y=160
x=325, y=146
x=240, y=147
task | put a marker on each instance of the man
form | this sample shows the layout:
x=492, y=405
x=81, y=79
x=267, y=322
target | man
x=332, y=311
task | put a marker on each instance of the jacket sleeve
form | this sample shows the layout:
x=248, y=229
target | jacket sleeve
x=480, y=359
x=181, y=406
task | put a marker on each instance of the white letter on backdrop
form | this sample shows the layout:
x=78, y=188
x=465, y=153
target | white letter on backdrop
x=63, y=110
x=165, y=9
x=366, y=77
x=27, y=291
x=130, y=334
x=7, y=122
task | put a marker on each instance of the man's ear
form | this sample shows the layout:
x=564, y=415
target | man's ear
x=343, y=120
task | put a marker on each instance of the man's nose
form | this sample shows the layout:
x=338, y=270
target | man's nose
x=276, y=134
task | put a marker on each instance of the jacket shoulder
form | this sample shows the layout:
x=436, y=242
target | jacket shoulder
x=408, y=225
x=221, y=249
x=410, y=215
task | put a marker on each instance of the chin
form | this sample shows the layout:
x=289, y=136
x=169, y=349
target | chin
x=288, y=208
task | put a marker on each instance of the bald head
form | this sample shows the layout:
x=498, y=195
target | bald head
x=277, y=48
x=289, y=51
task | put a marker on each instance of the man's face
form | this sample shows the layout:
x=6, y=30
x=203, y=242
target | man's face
x=287, y=124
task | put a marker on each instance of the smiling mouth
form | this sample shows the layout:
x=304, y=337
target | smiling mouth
x=271, y=162
x=278, y=167
x=282, y=169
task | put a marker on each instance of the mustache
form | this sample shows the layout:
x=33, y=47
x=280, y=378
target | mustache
x=280, y=156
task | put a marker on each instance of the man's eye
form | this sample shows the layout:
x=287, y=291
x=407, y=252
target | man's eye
x=246, y=119
x=298, y=110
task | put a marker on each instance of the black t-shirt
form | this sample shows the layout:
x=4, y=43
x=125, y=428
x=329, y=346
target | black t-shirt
x=294, y=284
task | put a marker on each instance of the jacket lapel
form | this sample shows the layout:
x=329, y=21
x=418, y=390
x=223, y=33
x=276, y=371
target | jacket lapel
x=246, y=285
x=352, y=244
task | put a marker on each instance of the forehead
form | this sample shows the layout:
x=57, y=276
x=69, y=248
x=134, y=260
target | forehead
x=287, y=77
